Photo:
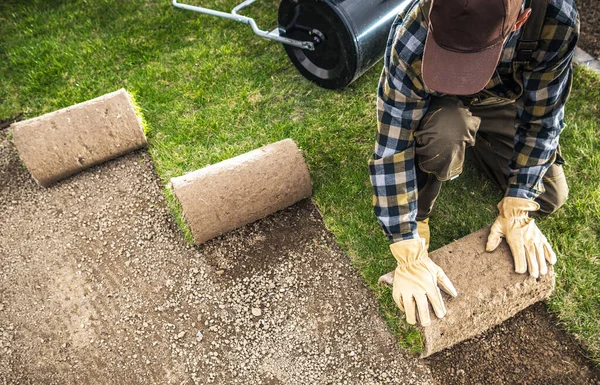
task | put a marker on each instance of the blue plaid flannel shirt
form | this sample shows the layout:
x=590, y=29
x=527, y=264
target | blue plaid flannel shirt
x=403, y=100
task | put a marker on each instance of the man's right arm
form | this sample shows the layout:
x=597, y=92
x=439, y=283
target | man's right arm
x=402, y=101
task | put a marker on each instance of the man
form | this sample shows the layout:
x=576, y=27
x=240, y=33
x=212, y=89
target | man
x=490, y=76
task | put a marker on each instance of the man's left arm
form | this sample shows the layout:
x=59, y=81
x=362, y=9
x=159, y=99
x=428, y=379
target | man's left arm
x=540, y=120
x=540, y=110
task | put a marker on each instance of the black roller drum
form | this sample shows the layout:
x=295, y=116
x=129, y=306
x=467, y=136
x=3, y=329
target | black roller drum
x=349, y=36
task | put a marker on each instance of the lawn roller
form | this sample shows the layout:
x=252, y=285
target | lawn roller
x=331, y=42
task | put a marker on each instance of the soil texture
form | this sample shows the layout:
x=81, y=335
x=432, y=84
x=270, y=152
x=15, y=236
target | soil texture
x=528, y=349
x=98, y=287
x=589, y=15
x=5, y=123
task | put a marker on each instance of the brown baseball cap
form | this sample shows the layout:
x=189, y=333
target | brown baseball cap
x=464, y=43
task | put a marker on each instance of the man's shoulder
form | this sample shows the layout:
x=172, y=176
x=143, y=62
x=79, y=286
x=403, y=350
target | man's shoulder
x=409, y=33
x=564, y=11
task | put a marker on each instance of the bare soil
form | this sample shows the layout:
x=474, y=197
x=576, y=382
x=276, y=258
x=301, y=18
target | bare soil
x=528, y=349
x=98, y=287
x=5, y=123
x=589, y=14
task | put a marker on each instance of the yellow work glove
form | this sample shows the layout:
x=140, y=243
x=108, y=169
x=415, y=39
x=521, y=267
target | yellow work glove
x=416, y=280
x=529, y=247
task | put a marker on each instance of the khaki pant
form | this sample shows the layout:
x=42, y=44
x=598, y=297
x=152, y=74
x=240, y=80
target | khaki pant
x=485, y=131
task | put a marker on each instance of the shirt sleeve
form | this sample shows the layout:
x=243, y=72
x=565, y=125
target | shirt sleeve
x=540, y=110
x=402, y=101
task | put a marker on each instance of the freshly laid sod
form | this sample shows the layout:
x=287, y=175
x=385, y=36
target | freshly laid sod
x=209, y=89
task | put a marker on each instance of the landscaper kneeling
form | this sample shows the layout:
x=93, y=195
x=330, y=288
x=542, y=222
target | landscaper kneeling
x=490, y=77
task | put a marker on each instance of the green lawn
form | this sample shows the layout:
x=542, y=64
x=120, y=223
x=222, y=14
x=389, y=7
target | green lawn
x=209, y=89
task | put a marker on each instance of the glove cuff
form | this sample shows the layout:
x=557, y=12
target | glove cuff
x=409, y=251
x=516, y=207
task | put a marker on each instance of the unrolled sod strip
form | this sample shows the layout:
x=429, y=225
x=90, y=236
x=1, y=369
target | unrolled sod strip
x=224, y=196
x=64, y=142
x=489, y=291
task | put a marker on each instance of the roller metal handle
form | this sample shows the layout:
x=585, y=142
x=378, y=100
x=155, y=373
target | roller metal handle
x=273, y=35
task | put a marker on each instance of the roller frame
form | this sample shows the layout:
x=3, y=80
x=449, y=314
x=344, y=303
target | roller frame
x=273, y=35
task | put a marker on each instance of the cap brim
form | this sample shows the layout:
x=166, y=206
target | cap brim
x=458, y=73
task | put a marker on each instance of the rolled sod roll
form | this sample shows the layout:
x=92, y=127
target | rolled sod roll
x=224, y=196
x=59, y=144
x=489, y=291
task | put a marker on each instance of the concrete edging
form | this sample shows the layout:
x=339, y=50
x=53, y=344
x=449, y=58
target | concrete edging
x=583, y=58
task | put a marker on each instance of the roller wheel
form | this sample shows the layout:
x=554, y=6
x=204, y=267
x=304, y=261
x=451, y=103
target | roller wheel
x=333, y=62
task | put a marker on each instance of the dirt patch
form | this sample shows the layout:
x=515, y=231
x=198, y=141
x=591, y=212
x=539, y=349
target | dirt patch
x=589, y=14
x=98, y=287
x=5, y=123
x=528, y=349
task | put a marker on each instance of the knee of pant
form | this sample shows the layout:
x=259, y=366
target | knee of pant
x=442, y=140
x=450, y=121
x=552, y=200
